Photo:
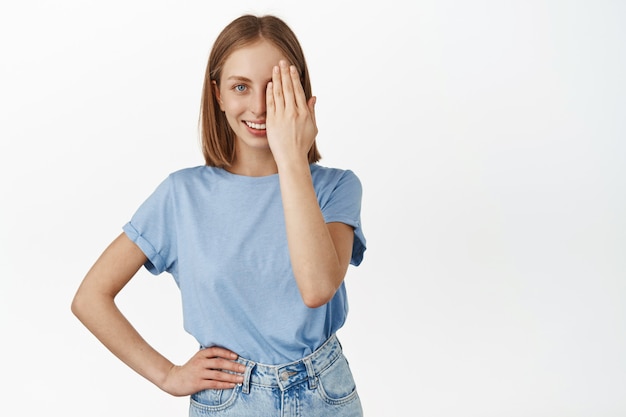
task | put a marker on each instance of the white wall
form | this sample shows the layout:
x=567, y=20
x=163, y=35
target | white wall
x=489, y=137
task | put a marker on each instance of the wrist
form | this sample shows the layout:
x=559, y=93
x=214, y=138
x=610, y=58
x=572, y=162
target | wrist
x=166, y=381
x=299, y=163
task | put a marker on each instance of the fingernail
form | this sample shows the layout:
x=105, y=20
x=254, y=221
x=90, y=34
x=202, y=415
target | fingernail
x=293, y=69
x=276, y=69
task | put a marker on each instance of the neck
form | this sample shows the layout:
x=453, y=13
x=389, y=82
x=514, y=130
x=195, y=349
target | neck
x=254, y=165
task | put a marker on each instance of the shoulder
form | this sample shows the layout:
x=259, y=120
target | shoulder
x=334, y=177
x=327, y=174
x=184, y=179
x=192, y=175
x=186, y=173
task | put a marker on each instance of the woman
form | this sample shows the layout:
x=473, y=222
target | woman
x=258, y=240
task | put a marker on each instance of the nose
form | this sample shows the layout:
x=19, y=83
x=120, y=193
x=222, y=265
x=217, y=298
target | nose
x=257, y=103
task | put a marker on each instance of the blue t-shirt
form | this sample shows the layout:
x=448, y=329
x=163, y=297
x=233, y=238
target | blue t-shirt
x=222, y=237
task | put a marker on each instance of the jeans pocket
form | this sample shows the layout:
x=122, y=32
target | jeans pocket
x=336, y=383
x=215, y=399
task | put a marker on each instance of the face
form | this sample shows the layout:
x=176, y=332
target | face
x=241, y=93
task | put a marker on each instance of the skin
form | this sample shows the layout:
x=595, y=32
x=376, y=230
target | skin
x=259, y=86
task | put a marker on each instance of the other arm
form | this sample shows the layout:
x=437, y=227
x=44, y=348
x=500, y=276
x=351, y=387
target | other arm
x=94, y=306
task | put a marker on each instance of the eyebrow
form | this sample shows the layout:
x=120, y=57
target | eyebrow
x=244, y=79
x=239, y=78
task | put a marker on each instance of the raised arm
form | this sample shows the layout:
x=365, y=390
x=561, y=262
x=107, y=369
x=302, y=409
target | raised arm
x=320, y=253
x=95, y=307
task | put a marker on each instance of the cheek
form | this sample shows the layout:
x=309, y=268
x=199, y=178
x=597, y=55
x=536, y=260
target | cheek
x=233, y=107
x=232, y=111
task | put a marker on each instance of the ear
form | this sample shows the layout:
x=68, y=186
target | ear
x=218, y=95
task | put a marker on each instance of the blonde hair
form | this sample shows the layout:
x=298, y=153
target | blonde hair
x=218, y=138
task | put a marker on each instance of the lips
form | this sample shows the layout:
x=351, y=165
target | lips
x=257, y=126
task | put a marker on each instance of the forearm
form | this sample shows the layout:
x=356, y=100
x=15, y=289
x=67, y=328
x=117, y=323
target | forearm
x=102, y=317
x=314, y=259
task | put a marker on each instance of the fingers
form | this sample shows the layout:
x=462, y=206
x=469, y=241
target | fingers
x=277, y=89
x=298, y=90
x=217, y=358
x=218, y=366
x=290, y=118
x=311, y=104
x=286, y=88
x=222, y=364
x=214, y=377
x=287, y=83
x=218, y=352
x=210, y=368
x=270, y=108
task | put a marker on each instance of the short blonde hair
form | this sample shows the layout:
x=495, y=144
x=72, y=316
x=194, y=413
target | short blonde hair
x=218, y=138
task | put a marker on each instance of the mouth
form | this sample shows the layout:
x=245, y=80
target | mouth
x=256, y=126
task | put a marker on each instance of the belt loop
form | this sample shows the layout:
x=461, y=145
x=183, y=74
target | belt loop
x=245, y=385
x=310, y=372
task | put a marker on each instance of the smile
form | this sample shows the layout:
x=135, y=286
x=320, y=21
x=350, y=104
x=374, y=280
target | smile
x=258, y=126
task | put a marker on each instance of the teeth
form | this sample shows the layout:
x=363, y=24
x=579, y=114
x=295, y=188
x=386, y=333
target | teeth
x=256, y=125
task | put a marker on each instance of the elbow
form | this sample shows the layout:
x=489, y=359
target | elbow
x=82, y=304
x=316, y=287
x=78, y=305
x=315, y=301
x=312, y=302
x=317, y=296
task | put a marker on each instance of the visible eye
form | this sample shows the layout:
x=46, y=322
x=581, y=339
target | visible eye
x=240, y=88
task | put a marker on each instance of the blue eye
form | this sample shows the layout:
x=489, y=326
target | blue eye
x=240, y=88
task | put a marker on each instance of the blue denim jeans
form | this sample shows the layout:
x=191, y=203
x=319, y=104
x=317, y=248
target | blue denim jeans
x=320, y=384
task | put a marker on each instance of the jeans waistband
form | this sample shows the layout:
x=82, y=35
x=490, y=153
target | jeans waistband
x=286, y=375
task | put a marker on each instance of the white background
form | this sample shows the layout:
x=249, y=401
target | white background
x=490, y=140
